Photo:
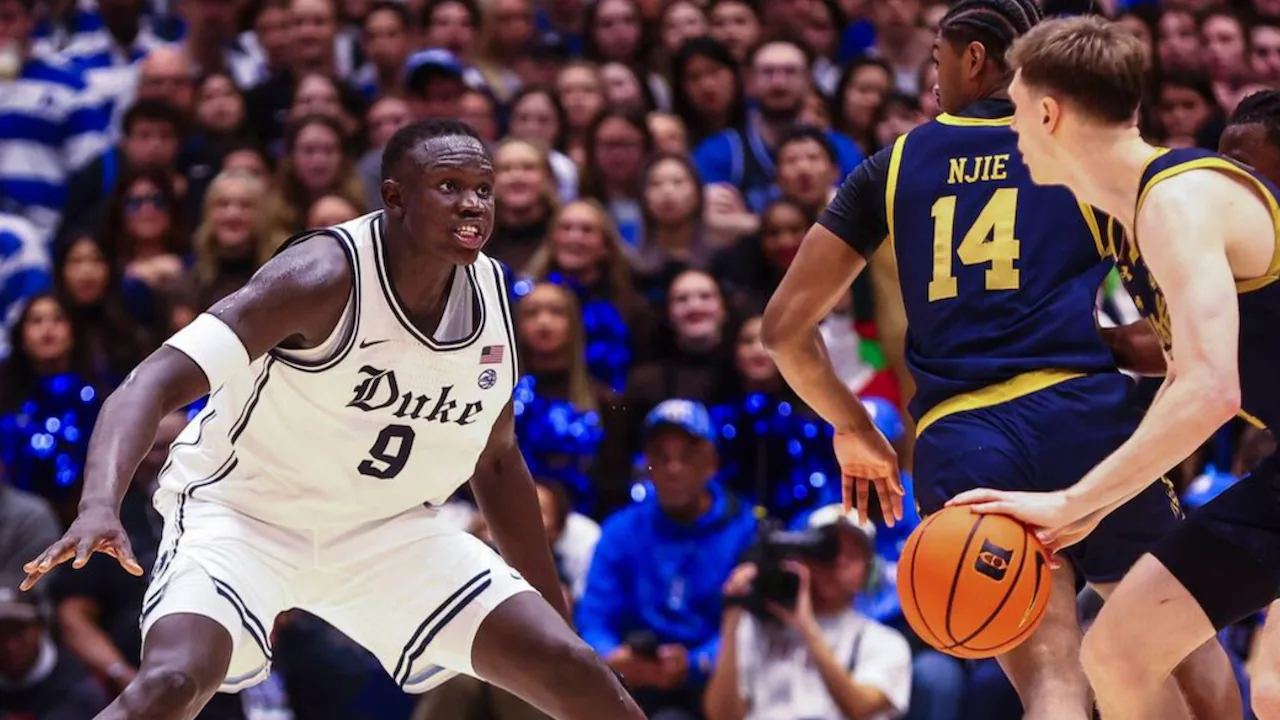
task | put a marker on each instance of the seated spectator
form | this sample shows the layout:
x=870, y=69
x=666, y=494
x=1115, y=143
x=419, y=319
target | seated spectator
x=736, y=24
x=478, y=109
x=24, y=270
x=434, y=82
x=818, y=658
x=752, y=269
x=384, y=118
x=618, y=144
x=807, y=170
x=321, y=95
x=219, y=127
x=39, y=679
x=234, y=239
x=682, y=21
x=614, y=32
x=653, y=604
x=859, y=94
x=669, y=133
x=116, y=326
x=153, y=131
x=47, y=406
x=144, y=229
x=537, y=115
x=331, y=210
x=673, y=238
x=696, y=350
x=581, y=91
x=249, y=158
x=524, y=190
x=774, y=451
x=27, y=527
x=314, y=165
x=585, y=253
x=899, y=114
x=386, y=41
x=623, y=89
x=557, y=402
x=573, y=537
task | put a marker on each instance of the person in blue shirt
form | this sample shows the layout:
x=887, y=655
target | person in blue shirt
x=778, y=80
x=653, y=598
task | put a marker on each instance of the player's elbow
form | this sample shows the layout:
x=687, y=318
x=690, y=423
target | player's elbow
x=1216, y=396
x=778, y=332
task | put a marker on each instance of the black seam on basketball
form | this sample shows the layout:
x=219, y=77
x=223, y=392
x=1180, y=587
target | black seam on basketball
x=955, y=581
x=915, y=599
x=1022, y=561
x=1016, y=639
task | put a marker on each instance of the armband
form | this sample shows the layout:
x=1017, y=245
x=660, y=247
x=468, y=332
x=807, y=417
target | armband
x=214, y=346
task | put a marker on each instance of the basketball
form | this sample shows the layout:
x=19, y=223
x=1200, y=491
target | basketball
x=973, y=586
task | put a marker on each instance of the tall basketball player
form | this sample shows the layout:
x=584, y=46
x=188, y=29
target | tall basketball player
x=1015, y=385
x=1198, y=245
x=359, y=378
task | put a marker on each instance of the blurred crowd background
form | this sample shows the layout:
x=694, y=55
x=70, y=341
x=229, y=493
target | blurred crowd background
x=657, y=165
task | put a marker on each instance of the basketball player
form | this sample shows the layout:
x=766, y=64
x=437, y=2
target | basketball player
x=1015, y=384
x=359, y=378
x=1196, y=238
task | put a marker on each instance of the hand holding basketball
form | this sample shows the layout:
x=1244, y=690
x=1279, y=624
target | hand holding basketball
x=1058, y=522
x=867, y=458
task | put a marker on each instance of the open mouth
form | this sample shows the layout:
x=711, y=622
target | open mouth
x=469, y=236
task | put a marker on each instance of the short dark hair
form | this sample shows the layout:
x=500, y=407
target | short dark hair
x=801, y=133
x=995, y=24
x=402, y=144
x=429, y=8
x=395, y=8
x=1096, y=65
x=1260, y=108
x=152, y=110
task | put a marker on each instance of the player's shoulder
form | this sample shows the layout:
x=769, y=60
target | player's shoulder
x=321, y=260
x=1195, y=189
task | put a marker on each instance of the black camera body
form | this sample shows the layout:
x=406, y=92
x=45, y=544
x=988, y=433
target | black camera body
x=773, y=583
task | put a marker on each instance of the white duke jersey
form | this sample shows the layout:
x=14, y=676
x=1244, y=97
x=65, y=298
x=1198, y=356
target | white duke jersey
x=379, y=419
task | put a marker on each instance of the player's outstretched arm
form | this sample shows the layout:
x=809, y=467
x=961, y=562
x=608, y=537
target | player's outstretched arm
x=821, y=273
x=297, y=299
x=504, y=491
x=1186, y=254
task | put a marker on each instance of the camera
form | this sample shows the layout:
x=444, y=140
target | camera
x=773, y=546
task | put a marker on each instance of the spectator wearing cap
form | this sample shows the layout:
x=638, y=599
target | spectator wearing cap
x=819, y=659
x=652, y=604
x=540, y=60
x=435, y=80
x=38, y=680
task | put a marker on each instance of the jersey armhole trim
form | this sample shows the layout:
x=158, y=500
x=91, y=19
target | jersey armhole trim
x=891, y=185
x=1091, y=220
x=353, y=328
x=504, y=303
x=963, y=121
x=1226, y=166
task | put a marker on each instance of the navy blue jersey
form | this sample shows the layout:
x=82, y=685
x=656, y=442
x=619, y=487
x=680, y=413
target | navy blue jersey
x=999, y=276
x=1259, y=297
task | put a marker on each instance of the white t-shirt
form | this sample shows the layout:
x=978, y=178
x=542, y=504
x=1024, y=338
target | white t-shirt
x=776, y=674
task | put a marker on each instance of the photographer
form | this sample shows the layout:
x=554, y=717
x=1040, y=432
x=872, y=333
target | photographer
x=814, y=657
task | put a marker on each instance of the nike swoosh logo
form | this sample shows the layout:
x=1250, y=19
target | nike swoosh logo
x=365, y=343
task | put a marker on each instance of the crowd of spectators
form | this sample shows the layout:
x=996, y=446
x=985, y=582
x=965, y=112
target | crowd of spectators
x=657, y=165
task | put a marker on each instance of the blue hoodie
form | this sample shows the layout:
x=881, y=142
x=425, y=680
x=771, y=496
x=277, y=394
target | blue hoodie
x=652, y=573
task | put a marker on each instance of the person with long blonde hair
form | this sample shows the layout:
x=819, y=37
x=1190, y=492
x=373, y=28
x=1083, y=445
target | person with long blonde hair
x=524, y=185
x=233, y=239
x=314, y=165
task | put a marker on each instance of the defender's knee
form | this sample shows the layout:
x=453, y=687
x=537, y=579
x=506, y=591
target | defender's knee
x=172, y=686
x=1108, y=660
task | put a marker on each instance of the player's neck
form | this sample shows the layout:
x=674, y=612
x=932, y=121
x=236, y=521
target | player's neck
x=1109, y=170
x=421, y=278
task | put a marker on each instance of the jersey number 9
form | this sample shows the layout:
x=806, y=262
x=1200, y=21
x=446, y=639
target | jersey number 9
x=389, y=453
x=988, y=241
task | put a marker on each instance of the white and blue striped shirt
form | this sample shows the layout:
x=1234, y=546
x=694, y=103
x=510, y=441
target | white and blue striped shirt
x=50, y=127
x=24, y=270
x=110, y=70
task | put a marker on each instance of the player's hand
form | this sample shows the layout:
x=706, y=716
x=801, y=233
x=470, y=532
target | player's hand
x=866, y=458
x=1058, y=523
x=673, y=663
x=94, y=530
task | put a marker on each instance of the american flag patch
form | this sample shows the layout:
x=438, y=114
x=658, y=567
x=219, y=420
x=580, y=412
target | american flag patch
x=491, y=354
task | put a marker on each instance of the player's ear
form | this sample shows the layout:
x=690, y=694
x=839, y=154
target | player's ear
x=1050, y=113
x=976, y=56
x=392, y=199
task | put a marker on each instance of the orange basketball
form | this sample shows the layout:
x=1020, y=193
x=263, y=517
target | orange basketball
x=973, y=586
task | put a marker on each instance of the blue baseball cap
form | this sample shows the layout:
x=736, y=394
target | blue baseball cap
x=691, y=417
x=436, y=60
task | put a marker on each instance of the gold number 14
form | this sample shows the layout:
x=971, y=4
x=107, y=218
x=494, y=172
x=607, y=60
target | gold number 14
x=989, y=240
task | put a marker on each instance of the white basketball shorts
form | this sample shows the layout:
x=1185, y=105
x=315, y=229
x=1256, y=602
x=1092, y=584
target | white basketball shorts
x=410, y=589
